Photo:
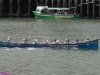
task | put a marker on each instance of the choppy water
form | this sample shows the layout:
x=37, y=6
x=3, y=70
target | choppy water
x=33, y=61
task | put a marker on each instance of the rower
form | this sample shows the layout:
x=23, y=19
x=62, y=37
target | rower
x=55, y=41
x=87, y=40
x=45, y=41
x=66, y=41
x=35, y=41
x=24, y=41
x=8, y=40
x=77, y=41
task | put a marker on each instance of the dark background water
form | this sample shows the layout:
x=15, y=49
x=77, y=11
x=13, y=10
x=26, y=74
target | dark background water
x=31, y=61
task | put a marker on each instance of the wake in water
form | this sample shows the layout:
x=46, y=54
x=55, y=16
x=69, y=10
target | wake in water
x=16, y=48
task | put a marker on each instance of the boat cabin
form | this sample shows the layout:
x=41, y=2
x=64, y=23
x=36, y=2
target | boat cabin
x=54, y=11
x=40, y=8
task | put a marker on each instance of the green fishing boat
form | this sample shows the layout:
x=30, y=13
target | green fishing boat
x=44, y=12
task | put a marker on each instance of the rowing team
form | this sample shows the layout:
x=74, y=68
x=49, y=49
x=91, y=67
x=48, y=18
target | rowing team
x=35, y=41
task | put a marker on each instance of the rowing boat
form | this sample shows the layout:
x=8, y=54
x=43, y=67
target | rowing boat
x=83, y=45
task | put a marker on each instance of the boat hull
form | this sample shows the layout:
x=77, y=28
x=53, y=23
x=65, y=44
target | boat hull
x=47, y=16
x=85, y=45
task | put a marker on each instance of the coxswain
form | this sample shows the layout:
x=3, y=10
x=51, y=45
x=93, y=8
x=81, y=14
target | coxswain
x=9, y=40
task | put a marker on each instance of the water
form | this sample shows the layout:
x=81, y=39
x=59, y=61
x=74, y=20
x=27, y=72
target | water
x=31, y=61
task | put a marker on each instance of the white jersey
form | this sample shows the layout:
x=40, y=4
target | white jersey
x=8, y=40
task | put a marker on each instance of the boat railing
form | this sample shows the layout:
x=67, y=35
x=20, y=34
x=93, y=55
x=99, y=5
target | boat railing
x=58, y=14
